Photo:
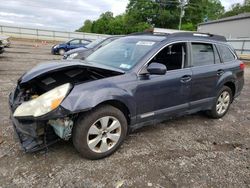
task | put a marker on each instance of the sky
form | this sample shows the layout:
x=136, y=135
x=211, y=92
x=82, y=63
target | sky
x=66, y=15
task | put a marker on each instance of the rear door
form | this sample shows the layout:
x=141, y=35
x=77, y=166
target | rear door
x=207, y=70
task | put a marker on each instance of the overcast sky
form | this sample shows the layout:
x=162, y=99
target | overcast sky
x=62, y=14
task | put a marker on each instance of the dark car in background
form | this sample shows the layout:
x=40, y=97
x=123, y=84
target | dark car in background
x=82, y=53
x=129, y=83
x=1, y=47
x=71, y=44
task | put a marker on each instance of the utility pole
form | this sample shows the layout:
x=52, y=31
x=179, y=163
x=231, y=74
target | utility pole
x=182, y=5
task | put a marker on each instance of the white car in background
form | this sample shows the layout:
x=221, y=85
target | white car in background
x=5, y=40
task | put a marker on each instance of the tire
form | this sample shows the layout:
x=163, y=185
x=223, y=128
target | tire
x=215, y=111
x=61, y=51
x=90, y=137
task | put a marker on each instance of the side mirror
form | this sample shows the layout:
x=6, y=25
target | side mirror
x=157, y=68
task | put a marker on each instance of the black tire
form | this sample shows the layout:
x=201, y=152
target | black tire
x=213, y=112
x=61, y=51
x=86, y=120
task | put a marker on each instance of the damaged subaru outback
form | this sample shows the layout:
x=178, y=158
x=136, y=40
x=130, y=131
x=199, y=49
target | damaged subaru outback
x=134, y=81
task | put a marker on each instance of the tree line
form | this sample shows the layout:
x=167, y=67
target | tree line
x=145, y=14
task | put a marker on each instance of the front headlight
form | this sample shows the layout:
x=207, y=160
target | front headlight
x=72, y=56
x=44, y=103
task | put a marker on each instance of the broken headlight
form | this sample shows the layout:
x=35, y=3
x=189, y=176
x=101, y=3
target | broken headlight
x=72, y=56
x=44, y=103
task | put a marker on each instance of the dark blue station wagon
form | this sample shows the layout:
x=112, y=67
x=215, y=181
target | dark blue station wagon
x=129, y=83
x=69, y=45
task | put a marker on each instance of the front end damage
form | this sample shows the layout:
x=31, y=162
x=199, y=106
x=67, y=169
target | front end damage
x=38, y=132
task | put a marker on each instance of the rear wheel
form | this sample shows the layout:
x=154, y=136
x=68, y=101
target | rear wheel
x=222, y=103
x=99, y=133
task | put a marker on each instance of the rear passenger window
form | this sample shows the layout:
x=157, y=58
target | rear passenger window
x=226, y=54
x=203, y=54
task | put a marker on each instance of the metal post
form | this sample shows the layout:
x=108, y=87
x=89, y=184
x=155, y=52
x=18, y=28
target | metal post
x=54, y=35
x=181, y=15
x=37, y=34
x=182, y=5
x=243, y=46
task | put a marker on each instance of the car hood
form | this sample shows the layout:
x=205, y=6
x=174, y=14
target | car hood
x=54, y=66
x=77, y=50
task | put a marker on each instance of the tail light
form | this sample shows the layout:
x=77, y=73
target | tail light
x=242, y=66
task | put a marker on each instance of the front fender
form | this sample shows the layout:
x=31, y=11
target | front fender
x=85, y=97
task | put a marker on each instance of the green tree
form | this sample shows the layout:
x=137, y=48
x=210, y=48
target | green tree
x=238, y=9
x=246, y=2
x=117, y=25
x=102, y=25
x=87, y=27
x=157, y=13
x=198, y=11
x=145, y=14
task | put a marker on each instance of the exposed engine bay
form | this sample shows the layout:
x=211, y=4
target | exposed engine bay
x=36, y=134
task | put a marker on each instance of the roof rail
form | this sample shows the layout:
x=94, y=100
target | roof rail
x=199, y=35
x=142, y=33
x=182, y=34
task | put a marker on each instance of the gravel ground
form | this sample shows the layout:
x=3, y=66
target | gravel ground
x=191, y=151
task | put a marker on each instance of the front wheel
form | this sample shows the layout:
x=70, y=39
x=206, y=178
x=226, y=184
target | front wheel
x=99, y=133
x=61, y=51
x=222, y=103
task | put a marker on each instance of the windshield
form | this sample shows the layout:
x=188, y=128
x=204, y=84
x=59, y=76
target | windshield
x=94, y=43
x=123, y=53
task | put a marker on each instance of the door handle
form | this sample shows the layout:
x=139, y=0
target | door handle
x=220, y=72
x=186, y=78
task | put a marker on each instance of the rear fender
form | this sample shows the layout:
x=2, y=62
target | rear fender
x=226, y=77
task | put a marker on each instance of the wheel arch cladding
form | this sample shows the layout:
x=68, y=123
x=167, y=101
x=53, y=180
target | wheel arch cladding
x=227, y=79
x=119, y=105
x=231, y=85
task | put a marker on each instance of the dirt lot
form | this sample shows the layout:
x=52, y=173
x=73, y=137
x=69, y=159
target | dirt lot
x=191, y=151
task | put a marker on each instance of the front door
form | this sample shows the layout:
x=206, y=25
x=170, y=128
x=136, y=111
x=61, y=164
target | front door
x=163, y=95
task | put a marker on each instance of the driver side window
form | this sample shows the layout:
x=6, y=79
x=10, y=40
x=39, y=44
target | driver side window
x=173, y=56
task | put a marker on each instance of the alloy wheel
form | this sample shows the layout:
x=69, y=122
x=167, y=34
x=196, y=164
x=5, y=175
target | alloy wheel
x=104, y=134
x=223, y=102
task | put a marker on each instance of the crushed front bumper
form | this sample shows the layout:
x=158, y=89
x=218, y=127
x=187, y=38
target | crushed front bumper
x=33, y=134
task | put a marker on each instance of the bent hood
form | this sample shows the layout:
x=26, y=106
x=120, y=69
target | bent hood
x=54, y=66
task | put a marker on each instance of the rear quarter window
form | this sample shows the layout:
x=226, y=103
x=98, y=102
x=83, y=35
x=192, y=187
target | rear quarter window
x=225, y=53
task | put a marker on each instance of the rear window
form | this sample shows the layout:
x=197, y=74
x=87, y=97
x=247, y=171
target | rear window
x=203, y=54
x=226, y=53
